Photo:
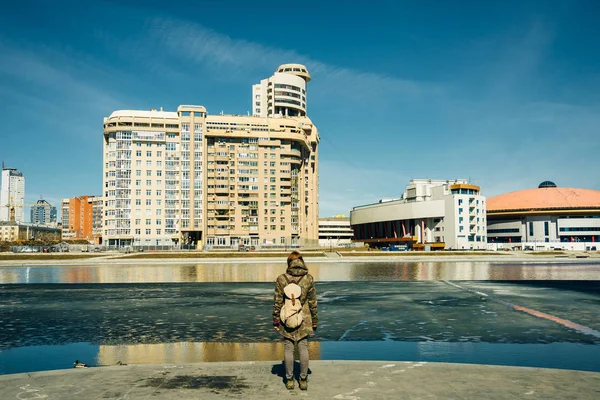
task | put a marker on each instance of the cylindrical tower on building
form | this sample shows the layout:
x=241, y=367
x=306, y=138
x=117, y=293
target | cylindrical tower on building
x=284, y=93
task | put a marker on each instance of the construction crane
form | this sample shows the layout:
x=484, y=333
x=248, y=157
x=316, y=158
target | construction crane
x=12, y=209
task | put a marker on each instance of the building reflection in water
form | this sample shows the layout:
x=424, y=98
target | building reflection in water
x=323, y=272
x=191, y=352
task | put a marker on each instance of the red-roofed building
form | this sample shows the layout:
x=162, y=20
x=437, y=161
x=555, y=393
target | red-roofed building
x=546, y=214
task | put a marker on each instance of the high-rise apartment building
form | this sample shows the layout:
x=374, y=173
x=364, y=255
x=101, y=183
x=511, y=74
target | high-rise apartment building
x=43, y=213
x=12, y=195
x=82, y=218
x=188, y=177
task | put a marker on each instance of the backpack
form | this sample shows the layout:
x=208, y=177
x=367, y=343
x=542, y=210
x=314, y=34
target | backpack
x=291, y=312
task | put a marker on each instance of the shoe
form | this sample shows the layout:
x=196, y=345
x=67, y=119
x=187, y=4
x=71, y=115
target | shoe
x=303, y=384
x=289, y=384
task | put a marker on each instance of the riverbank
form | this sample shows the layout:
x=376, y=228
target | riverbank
x=343, y=380
x=12, y=260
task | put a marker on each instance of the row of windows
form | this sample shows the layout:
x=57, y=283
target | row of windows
x=284, y=86
x=581, y=229
x=294, y=102
x=148, y=231
x=464, y=191
x=508, y=230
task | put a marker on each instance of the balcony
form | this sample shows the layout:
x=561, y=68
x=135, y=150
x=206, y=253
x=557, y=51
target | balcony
x=221, y=157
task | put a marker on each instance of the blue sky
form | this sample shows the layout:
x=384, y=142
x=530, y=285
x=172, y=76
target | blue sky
x=505, y=93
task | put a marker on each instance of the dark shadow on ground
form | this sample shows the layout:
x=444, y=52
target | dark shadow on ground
x=279, y=370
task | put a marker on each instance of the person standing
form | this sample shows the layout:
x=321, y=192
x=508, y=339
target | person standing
x=296, y=273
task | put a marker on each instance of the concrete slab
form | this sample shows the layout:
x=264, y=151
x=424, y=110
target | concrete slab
x=341, y=380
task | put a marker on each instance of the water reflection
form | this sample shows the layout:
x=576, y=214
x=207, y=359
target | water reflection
x=323, y=272
x=554, y=355
x=191, y=352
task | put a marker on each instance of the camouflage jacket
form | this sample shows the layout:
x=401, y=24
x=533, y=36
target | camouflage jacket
x=297, y=272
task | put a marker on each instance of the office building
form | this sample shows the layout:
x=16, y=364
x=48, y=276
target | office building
x=43, y=213
x=12, y=195
x=335, y=231
x=82, y=218
x=430, y=214
x=544, y=216
x=190, y=178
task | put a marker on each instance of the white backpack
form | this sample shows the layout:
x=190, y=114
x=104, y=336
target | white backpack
x=291, y=312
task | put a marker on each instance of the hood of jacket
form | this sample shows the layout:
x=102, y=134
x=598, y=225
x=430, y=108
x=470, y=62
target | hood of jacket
x=297, y=268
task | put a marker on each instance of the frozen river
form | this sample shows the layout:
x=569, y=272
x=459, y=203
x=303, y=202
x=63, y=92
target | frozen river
x=545, y=315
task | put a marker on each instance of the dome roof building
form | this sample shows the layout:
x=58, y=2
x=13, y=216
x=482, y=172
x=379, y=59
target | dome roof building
x=545, y=214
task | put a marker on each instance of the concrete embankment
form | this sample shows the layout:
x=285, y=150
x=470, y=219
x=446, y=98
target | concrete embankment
x=342, y=380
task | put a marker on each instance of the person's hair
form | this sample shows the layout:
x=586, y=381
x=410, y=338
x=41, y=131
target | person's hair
x=294, y=255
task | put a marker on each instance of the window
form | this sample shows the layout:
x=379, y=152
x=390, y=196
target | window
x=148, y=154
x=138, y=172
x=148, y=222
x=148, y=192
x=138, y=192
x=531, y=229
x=149, y=182
x=148, y=202
x=546, y=228
x=138, y=202
x=148, y=231
x=138, y=153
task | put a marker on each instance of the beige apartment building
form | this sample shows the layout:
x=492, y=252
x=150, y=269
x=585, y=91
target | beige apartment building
x=190, y=178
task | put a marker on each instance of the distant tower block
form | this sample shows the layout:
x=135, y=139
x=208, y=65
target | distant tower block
x=12, y=195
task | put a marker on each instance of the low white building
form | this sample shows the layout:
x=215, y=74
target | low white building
x=544, y=218
x=335, y=231
x=430, y=214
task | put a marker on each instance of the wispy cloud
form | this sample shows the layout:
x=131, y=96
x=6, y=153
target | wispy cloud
x=220, y=52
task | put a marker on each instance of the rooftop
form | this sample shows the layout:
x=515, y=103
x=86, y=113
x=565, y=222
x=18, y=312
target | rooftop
x=545, y=197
